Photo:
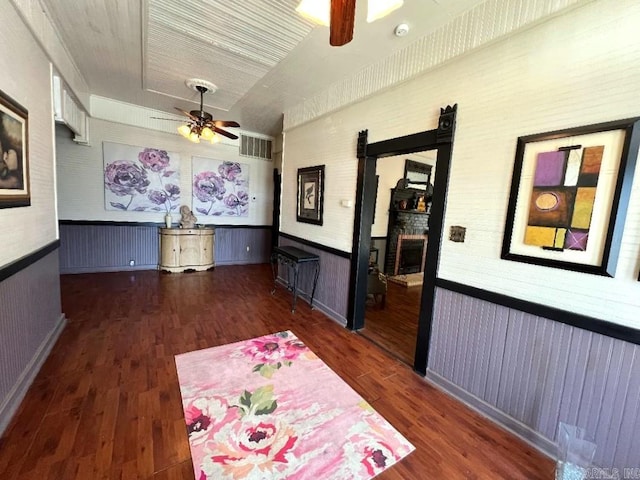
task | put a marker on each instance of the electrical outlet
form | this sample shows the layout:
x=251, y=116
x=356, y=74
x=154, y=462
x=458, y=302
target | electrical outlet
x=132, y=263
x=247, y=248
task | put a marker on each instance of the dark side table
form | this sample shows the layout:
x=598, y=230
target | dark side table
x=293, y=257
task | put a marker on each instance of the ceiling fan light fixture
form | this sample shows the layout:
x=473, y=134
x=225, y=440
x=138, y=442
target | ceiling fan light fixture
x=194, y=137
x=184, y=130
x=207, y=133
x=377, y=9
x=318, y=11
x=215, y=139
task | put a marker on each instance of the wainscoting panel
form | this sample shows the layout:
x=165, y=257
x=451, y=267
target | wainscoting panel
x=87, y=247
x=30, y=321
x=107, y=247
x=535, y=372
x=239, y=246
x=332, y=291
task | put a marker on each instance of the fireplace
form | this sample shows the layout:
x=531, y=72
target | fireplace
x=410, y=224
x=410, y=254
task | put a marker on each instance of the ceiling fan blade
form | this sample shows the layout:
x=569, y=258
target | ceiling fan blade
x=225, y=133
x=225, y=123
x=184, y=112
x=170, y=119
x=343, y=13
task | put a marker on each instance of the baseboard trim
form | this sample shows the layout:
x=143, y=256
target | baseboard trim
x=242, y=262
x=519, y=429
x=76, y=270
x=13, y=400
x=317, y=305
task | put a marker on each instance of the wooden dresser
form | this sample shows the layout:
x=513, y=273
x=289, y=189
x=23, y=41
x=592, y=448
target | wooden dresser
x=186, y=249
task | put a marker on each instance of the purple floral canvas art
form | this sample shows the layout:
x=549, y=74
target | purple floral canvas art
x=270, y=408
x=220, y=188
x=139, y=179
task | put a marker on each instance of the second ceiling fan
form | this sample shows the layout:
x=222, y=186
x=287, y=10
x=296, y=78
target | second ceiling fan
x=339, y=15
x=200, y=124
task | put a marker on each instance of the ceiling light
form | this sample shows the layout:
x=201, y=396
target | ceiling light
x=319, y=11
x=379, y=8
x=207, y=133
x=184, y=130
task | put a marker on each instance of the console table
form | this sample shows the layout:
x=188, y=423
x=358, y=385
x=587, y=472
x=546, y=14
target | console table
x=186, y=249
x=293, y=257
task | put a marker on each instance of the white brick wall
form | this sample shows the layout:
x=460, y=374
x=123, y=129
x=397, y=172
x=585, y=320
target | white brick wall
x=26, y=78
x=579, y=68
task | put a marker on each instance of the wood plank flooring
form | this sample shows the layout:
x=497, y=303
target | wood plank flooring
x=394, y=327
x=106, y=404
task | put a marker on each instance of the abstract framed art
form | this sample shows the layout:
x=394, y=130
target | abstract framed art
x=310, y=194
x=569, y=195
x=14, y=154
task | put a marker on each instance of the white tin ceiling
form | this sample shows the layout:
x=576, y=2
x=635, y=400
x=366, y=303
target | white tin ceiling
x=261, y=54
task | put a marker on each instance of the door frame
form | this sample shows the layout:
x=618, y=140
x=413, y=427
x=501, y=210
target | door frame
x=275, y=219
x=440, y=139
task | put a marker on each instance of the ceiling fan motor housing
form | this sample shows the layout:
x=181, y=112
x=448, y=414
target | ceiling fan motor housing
x=202, y=115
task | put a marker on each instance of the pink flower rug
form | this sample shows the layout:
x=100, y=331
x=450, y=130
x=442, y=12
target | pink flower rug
x=269, y=408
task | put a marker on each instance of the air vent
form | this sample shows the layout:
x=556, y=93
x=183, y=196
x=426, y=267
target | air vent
x=255, y=147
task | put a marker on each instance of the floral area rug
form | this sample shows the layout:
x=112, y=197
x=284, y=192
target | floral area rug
x=269, y=408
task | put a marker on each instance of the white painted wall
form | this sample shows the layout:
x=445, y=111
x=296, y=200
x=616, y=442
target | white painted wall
x=81, y=177
x=43, y=31
x=579, y=68
x=26, y=78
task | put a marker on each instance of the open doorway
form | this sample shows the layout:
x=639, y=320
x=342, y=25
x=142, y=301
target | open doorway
x=439, y=139
x=399, y=241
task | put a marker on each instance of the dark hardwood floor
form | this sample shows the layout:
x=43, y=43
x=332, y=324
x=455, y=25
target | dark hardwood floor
x=106, y=404
x=394, y=326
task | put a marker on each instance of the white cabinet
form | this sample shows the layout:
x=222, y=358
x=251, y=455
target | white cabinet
x=186, y=249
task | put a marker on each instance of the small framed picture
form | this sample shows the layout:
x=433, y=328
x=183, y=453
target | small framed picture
x=14, y=157
x=310, y=194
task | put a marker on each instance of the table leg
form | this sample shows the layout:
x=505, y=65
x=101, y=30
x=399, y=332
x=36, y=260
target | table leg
x=274, y=271
x=315, y=282
x=295, y=287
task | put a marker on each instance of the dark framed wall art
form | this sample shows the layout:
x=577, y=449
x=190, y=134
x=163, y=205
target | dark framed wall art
x=310, y=194
x=14, y=154
x=569, y=196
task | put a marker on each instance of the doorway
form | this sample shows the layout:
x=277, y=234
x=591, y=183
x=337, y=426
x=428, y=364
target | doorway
x=440, y=140
x=399, y=241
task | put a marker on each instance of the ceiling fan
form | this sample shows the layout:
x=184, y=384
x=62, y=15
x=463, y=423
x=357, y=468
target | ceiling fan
x=339, y=15
x=200, y=124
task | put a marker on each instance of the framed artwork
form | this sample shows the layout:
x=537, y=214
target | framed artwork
x=140, y=179
x=220, y=188
x=14, y=154
x=569, y=197
x=310, y=194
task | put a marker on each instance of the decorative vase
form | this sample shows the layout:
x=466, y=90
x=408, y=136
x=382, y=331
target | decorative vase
x=167, y=220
